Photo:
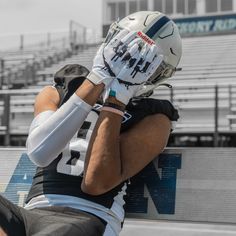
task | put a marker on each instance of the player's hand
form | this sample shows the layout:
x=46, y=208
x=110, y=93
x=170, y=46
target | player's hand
x=108, y=61
x=141, y=60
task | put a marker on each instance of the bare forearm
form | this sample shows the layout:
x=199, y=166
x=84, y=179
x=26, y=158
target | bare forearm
x=141, y=144
x=113, y=158
x=103, y=164
x=89, y=92
x=2, y=233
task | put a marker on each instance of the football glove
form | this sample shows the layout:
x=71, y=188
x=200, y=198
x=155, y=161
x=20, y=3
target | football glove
x=141, y=61
x=108, y=61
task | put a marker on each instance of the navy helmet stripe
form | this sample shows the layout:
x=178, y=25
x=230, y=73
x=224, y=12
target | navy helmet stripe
x=157, y=26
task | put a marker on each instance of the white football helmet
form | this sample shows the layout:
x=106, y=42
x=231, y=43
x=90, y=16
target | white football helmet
x=164, y=32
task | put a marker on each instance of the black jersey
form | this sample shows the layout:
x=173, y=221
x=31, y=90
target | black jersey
x=64, y=175
x=54, y=179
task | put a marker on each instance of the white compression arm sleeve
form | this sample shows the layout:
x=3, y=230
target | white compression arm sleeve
x=49, y=133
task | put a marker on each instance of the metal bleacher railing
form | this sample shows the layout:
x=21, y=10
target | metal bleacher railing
x=207, y=110
x=22, y=56
x=25, y=62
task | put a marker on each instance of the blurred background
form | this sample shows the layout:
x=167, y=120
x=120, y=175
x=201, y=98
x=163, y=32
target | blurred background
x=37, y=37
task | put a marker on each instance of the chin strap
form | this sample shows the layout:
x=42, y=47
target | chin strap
x=149, y=93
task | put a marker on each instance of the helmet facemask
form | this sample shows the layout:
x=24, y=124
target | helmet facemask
x=162, y=73
x=114, y=29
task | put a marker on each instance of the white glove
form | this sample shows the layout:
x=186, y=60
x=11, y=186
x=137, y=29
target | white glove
x=108, y=61
x=141, y=61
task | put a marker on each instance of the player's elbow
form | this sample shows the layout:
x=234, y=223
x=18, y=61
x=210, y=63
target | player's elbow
x=37, y=159
x=38, y=155
x=95, y=189
x=91, y=189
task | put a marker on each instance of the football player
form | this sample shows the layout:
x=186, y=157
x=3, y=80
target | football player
x=93, y=131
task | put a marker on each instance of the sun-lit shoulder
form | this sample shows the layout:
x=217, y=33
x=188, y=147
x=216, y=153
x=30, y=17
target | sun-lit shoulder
x=47, y=99
x=48, y=89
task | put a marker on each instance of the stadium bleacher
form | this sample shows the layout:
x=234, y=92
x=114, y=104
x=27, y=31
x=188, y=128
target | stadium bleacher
x=18, y=68
x=204, y=90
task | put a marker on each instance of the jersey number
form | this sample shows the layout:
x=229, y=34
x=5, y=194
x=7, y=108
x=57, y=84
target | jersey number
x=72, y=160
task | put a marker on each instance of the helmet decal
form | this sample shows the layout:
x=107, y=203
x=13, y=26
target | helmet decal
x=145, y=38
x=171, y=50
x=168, y=34
x=157, y=26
